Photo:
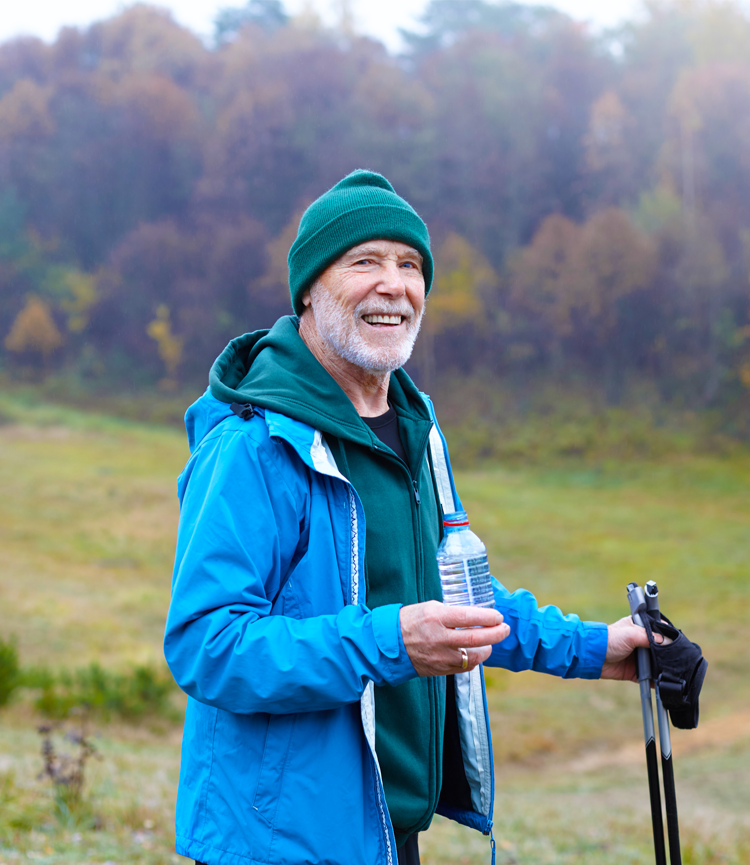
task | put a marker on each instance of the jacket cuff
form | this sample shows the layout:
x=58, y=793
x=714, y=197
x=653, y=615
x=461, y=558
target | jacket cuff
x=386, y=627
x=594, y=637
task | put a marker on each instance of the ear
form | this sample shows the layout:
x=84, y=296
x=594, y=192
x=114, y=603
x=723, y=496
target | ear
x=306, y=299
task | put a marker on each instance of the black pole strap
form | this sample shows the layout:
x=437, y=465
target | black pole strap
x=678, y=669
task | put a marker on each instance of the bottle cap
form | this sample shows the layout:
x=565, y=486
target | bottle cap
x=459, y=518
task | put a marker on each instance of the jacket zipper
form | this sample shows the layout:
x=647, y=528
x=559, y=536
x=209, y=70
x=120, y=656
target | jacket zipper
x=354, y=597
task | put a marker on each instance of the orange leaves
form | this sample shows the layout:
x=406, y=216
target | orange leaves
x=155, y=106
x=573, y=276
x=24, y=112
x=605, y=139
x=613, y=259
x=542, y=274
x=34, y=330
x=146, y=40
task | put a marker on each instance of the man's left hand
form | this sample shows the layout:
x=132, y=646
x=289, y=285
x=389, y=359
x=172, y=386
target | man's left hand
x=624, y=636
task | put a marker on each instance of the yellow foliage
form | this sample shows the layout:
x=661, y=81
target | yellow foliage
x=170, y=346
x=462, y=273
x=744, y=373
x=83, y=288
x=34, y=330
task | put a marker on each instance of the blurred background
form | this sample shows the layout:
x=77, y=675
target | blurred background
x=585, y=173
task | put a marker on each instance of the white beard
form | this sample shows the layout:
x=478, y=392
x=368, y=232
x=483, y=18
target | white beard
x=342, y=330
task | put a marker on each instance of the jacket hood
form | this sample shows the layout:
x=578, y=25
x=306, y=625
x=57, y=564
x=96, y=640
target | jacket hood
x=274, y=369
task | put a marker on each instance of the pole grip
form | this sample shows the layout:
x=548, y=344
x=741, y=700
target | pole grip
x=637, y=602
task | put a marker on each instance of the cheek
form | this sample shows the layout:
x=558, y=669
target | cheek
x=352, y=292
x=416, y=297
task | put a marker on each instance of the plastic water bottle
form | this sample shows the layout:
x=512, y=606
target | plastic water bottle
x=463, y=566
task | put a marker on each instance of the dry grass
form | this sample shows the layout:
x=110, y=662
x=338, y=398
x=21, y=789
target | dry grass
x=88, y=513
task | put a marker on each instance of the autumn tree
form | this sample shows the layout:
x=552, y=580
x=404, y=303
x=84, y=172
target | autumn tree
x=463, y=281
x=141, y=168
x=34, y=333
x=170, y=345
x=579, y=280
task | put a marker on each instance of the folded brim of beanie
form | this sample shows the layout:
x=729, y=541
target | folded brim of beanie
x=349, y=229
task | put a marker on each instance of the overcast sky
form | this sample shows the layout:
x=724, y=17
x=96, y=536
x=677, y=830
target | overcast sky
x=380, y=18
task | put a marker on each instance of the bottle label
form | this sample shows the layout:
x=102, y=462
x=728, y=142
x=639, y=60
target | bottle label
x=477, y=566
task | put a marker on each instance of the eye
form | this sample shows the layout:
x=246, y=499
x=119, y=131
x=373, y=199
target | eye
x=364, y=261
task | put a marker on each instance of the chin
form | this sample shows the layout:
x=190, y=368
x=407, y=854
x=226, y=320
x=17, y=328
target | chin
x=379, y=359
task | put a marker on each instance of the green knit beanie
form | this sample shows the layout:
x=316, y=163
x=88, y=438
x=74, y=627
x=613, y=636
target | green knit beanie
x=363, y=206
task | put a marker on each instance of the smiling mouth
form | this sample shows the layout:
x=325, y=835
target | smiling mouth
x=383, y=320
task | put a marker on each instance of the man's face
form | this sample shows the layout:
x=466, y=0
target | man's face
x=368, y=304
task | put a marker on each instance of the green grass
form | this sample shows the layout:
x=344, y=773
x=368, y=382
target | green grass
x=88, y=514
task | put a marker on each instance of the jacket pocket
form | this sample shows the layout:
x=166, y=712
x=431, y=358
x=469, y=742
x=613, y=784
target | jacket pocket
x=275, y=758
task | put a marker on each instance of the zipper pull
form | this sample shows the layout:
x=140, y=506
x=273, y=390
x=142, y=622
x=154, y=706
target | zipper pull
x=416, y=493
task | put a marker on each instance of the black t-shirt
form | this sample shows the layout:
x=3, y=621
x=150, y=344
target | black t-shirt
x=385, y=428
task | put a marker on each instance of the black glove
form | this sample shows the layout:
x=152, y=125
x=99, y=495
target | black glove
x=678, y=669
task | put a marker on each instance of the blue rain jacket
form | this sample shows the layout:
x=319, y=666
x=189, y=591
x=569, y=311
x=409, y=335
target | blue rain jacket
x=269, y=636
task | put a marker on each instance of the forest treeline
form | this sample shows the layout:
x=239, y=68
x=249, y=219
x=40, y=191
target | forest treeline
x=588, y=195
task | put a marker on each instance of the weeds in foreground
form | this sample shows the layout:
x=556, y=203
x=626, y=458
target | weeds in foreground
x=66, y=771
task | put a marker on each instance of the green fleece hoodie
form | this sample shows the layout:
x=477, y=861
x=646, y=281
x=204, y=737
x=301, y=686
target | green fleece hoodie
x=275, y=369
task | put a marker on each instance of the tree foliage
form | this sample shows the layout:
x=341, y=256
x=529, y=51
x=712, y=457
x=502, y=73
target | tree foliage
x=34, y=331
x=589, y=195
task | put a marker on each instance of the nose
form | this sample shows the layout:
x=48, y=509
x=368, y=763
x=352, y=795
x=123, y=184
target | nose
x=392, y=280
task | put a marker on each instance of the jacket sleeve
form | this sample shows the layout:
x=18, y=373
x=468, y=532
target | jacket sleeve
x=541, y=638
x=227, y=641
x=544, y=640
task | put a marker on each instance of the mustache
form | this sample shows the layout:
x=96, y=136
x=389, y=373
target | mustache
x=368, y=307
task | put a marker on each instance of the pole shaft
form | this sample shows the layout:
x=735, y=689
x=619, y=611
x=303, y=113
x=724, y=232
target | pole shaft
x=652, y=766
x=665, y=742
x=670, y=792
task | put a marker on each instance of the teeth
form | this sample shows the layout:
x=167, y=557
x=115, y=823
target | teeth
x=382, y=319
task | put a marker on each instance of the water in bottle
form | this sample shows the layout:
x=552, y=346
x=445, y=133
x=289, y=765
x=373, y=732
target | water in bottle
x=463, y=566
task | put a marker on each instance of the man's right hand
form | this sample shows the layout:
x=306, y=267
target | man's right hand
x=434, y=644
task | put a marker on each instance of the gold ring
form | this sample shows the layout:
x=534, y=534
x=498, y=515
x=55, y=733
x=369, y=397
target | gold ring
x=464, y=659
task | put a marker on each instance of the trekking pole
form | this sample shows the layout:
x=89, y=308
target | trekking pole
x=665, y=743
x=637, y=601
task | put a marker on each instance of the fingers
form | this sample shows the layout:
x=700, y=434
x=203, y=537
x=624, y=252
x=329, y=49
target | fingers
x=434, y=635
x=469, y=617
x=485, y=626
x=471, y=638
x=478, y=656
x=469, y=658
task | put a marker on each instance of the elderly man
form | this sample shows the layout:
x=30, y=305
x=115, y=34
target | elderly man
x=333, y=705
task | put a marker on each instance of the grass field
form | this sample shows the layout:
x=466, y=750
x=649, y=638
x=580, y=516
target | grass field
x=88, y=514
